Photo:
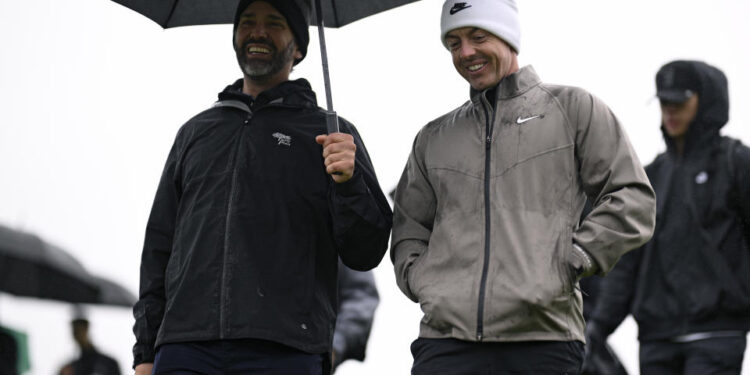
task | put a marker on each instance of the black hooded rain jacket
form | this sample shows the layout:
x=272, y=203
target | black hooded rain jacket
x=694, y=275
x=246, y=227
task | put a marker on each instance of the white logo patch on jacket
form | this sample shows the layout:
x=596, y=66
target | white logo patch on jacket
x=284, y=140
x=521, y=120
x=701, y=178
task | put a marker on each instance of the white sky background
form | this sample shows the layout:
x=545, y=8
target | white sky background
x=92, y=95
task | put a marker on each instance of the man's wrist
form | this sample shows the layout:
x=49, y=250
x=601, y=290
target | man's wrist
x=589, y=266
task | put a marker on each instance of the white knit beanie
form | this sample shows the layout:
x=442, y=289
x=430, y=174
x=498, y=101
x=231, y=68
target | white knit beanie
x=500, y=17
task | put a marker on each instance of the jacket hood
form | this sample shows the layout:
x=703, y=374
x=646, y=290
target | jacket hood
x=713, y=105
x=296, y=93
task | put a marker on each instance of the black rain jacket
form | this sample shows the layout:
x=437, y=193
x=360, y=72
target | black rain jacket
x=694, y=275
x=246, y=227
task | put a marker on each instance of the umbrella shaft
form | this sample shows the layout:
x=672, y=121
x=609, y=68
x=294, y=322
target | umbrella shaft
x=332, y=120
x=324, y=61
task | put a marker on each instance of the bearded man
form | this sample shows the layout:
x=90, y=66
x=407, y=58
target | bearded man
x=239, y=264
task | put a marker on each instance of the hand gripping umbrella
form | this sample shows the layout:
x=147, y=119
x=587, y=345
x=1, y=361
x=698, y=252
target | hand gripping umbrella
x=330, y=13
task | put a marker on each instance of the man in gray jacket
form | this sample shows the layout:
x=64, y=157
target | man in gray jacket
x=487, y=235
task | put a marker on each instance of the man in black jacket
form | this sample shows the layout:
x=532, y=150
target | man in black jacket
x=238, y=272
x=689, y=287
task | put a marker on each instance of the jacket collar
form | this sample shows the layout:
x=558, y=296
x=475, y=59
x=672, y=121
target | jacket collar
x=511, y=86
x=297, y=93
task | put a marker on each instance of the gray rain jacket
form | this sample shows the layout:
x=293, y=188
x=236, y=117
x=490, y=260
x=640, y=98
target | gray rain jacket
x=488, y=209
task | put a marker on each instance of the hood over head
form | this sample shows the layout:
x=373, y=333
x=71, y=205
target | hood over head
x=676, y=78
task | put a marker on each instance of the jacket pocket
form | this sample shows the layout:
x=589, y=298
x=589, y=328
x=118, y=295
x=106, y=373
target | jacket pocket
x=412, y=275
x=437, y=311
x=570, y=265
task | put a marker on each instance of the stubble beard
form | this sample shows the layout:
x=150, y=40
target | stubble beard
x=260, y=70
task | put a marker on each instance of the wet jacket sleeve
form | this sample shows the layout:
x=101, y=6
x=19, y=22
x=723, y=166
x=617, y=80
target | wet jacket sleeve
x=358, y=299
x=362, y=218
x=149, y=309
x=414, y=213
x=623, y=201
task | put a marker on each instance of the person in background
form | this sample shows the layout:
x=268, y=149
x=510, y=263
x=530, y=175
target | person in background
x=90, y=361
x=255, y=205
x=689, y=287
x=604, y=360
x=358, y=299
x=600, y=359
x=487, y=236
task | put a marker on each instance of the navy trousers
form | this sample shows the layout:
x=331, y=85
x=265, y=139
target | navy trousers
x=456, y=357
x=713, y=356
x=252, y=357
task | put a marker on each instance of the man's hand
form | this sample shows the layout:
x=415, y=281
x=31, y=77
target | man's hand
x=339, y=153
x=144, y=369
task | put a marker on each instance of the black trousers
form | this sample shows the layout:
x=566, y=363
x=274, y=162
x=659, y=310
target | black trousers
x=256, y=357
x=456, y=357
x=713, y=356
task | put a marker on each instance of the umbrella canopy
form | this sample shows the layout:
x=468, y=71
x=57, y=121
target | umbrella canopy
x=111, y=293
x=334, y=13
x=174, y=13
x=31, y=267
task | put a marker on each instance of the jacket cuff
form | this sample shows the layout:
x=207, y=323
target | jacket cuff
x=403, y=256
x=143, y=354
x=587, y=265
x=339, y=347
x=352, y=187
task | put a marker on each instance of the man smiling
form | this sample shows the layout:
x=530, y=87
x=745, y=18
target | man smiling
x=486, y=232
x=238, y=270
x=265, y=44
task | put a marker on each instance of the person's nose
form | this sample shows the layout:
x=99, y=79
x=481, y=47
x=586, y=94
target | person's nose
x=466, y=51
x=258, y=31
x=669, y=109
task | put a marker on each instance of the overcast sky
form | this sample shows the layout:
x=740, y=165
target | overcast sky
x=92, y=95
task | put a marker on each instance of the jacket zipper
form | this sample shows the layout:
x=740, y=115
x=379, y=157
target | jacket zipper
x=487, y=157
x=227, y=234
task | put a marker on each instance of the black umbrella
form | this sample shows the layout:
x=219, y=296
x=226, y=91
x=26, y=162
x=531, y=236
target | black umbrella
x=336, y=13
x=31, y=267
x=112, y=293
